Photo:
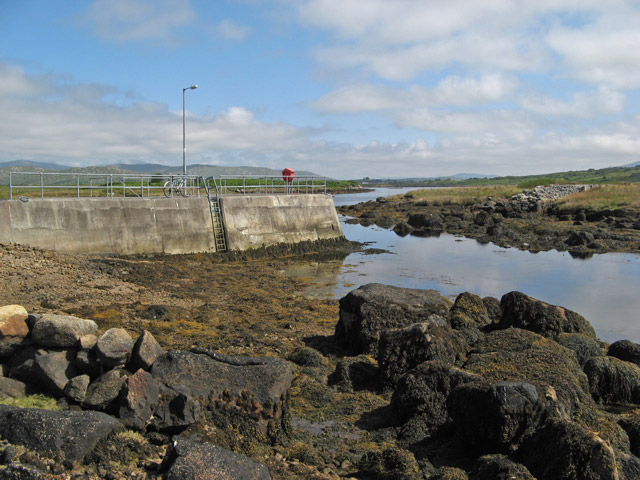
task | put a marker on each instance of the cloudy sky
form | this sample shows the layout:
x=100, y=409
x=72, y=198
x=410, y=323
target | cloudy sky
x=344, y=88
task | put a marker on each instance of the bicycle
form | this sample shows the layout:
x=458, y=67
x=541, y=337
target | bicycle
x=174, y=187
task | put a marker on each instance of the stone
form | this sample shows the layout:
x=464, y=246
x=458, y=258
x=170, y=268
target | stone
x=612, y=380
x=66, y=435
x=193, y=460
x=469, y=311
x=139, y=398
x=102, y=392
x=399, y=350
x=522, y=311
x=13, y=321
x=45, y=370
x=12, y=388
x=76, y=388
x=87, y=342
x=307, y=357
x=631, y=425
x=353, y=374
x=390, y=463
x=499, y=467
x=625, y=350
x=60, y=331
x=403, y=229
x=114, y=347
x=494, y=311
x=495, y=417
x=584, y=347
x=366, y=311
x=145, y=351
x=578, y=238
x=87, y=363
x=248, y=395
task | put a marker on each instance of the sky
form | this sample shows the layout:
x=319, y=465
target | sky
x=342, y=88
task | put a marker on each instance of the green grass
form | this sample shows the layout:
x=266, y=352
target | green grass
x=604, y=197
x=461, y=196
x=32, y=401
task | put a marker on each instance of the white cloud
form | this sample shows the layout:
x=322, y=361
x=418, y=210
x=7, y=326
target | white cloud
x=122, y=21
x=603, y=101
x=230, y=30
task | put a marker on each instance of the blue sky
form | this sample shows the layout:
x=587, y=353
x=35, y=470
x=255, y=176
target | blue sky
x=344, y=88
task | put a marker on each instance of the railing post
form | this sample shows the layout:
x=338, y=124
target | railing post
x=41, y=185
x=10, y=187
x=78, y=184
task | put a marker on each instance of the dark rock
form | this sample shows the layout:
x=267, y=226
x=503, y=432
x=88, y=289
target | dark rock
x=578, y=238
x=625, y=350
x=307, y=357
x=612, y=380
x=563, y=449
x=248, y=395
x=381, y=200
x=499, y=467
x=354, y=374
x=631, y=425
x=403, y=229
x=60, y=331
x=114, y=347
x=584, y=347
x=87, y=363
x=76, y=389
x=145, y=351
x=522, y=311
x=482, y=218
x=449, y=473
x=16, y=471
x=399, y=350
x=10, y=387
x=69, y=435
x=425, y=221
x=368, y=310
x=468, y=311
x=192, y=460
x=494, y=311
x=420, y=398
x=495, y=417
x=385, y=221
x=47, y=370
x=389, y=464
x=8, y=454
x=138, y=400
x=103, y=391
x=368, y=215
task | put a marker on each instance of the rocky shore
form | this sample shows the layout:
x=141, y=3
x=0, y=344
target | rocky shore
x=529, y=221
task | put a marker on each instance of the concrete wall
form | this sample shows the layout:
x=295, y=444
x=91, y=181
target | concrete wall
x=109, y=225
x=258, y=220
x=165, y=225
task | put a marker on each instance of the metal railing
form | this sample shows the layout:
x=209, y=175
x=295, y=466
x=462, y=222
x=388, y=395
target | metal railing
x=142, y=186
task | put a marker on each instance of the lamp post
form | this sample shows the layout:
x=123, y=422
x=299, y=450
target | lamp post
x=184, y=146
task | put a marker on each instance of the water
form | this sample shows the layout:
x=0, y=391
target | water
x=605, y=289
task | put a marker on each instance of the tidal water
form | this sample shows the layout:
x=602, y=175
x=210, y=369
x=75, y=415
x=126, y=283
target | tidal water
x=605, y=289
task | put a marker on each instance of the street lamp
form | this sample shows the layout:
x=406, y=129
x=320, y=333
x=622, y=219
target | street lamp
x=184, y=147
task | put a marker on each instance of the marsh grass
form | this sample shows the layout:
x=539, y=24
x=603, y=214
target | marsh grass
x=463, y=196
x=604, y=197
x=32, y=401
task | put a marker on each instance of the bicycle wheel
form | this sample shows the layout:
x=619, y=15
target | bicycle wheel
x=168, y=188
x=182, y=188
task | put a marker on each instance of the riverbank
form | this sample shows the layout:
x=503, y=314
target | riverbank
x=501, y=216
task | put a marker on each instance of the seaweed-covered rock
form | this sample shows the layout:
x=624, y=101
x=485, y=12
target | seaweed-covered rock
x=60, y=331
x=403, y=229
x=499, y=467
x=612, y=380
x=372, y=308
x=469, y=311
x=631, y=425
x=307, y=357
x=389, y=464
x=584, y=347
x=625, y=350
x=522, y=311
x=495, y=417
x=354, y=374
x=494, y=311
x=399, y=350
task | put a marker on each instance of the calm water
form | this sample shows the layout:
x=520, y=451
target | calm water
x=605, y=289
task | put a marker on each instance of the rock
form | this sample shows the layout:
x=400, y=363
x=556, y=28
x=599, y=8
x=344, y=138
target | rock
x=248, y=395
x=612, y=380
x=578, y=238
x=145, y=351
x=15, y=471
x=494, y=311
x=307, y=357
x=399, y=350
x=87, y=342
x=482, y=218
x=403, y=229
x=381, y=200
x=114, y=347
x=625, y=350
x=420, y=398
x=584, y=347
x=389, y=464
x=563, y=449
x=12, y=388
x=631, y=425
x=192, y=460
x=495, y=417
x=522, y=311
x=139, y=398
x=102, y=392
x=469, y=311
x=8, y=454
x=355, y=374
x=87, y=363
x=368, y=310
x=424, y=221
x=47, y=370
x=68, y=435
x=13, y=328
x=60, y=331
x=499, y=467
x=385, y=221
x=76, y=388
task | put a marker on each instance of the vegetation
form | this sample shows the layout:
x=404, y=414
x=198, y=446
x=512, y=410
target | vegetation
x=604, y=197
x=460, y=196
x=32, y=401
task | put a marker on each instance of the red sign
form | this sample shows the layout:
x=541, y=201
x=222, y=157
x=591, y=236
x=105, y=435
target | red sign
x=287, y=175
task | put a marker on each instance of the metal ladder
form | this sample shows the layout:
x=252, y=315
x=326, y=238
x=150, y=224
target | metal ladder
x=219, y=235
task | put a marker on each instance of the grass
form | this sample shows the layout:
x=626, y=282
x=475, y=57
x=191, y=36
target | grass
x=461, y=196
x=32, y=401
x=604, y=197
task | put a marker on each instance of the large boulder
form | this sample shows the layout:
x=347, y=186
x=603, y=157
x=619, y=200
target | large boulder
x=248, y=395
x=69, y=435
x=145, y=351
x=355, y=373
x=102, y=392
x=399, y=350
x=114, y=347
x=625, y=350
x=12, y=388
x=13, y=328
x=499, y=467
x=138, y=400
x=45, y=370
x=583, y=346
x=372, y=308
x=522, y=311
x=612, y=380
x=61, y=331
x=192, y=460
x=469, y=311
